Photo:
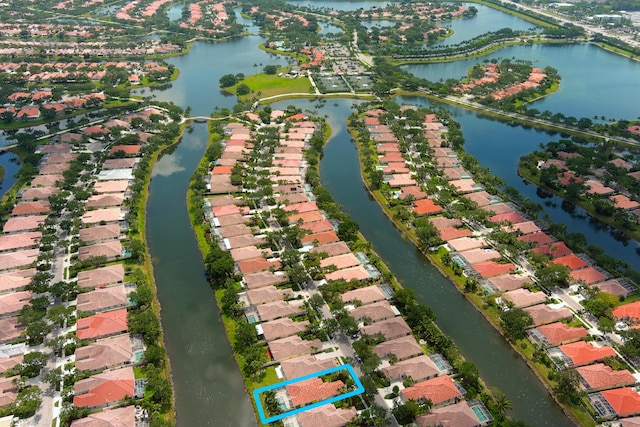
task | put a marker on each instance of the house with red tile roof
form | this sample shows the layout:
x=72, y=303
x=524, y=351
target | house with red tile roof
x=23, y=223
x=340, y=261
x=313, y=390
x=317, y=226
x=106, y=200
x=457, y=415
x=257, y=264
x=10, y=362
x=15, y=280
x=418, y=368
x=466, y=243
x=104, y=187
x=31, y=208
x=42, y=193
x=102, y=389
x=11, y=304
x=10, y=329
x=390, y=329
x=115, y=417
x=543, y=314
x=107, y=353
x=281, y=328
x=112, y=249
x=509, y=217
x=100, y=233
x=478, y=255
x=621, y=201
x=441, y=391
x=102, y=325
x=278, y=309
x=20, y=259
x=554, y=250
x=596, y=187
x=587, y=276
x=366, y=295
x=521, y=298
x=536, y=239
x=616, y=403
x=101, y=277
x=108, y=215
x=26, y=240
x=572, y=262
x=293, y=346
x=8, y=391
x=268, y=294
x=317, y=239
x=450, y=233
x=332, y=249
x=305, y=365
x=263, y=278
x=629, y=312
x=103, y=299
x=600, y=377
x=557, y=333
x=128, y=150
x=426, y=207
x=491, y=268
x=348, y=274
x=376, y=312
x=326, y=416
x=402, y=348
x=583, y=353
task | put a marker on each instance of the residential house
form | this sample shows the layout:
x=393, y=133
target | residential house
x=105, y=388
x=441, y=391
x=107, y=353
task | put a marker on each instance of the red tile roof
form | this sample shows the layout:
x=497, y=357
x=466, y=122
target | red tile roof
x=601, y=377
x=313, y=389
x=583, y=353
x=102, y=324
x=104, y=388
x=438, y=390
x=560, y=333
x=492, y=268
x=587, y=275
x=572, y=262
x=625, y=401
x=426, y=207
x=629, y=311
x=555, y=250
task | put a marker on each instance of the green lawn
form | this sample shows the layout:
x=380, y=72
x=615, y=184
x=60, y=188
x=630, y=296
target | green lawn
x=263, y=85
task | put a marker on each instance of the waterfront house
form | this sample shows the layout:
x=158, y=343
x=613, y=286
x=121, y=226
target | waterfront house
x=441, y=391
x=100, y=233
x=521, y=298
x=31, y=208
x=278, y=309
x=281, y=328
x=600, y=377
x=116, y=417
x=111, y=352
x=268, y=294
x=332, y=249
x=348, y=274
x=340, y=262
x=102, y=325
x=305, y=365
x=320, y=238
x=580, y=353
x=588, y=276
x=572, y=262
x=376, y=312
x=262, y=279
x=466, y=243
x=418, y=368
x=111, y=249
x=543, y=314
x=104, y=187
x=105, y=388
x=616, y=403
x=402, y=348
x=103, y=299
x=462, y=414
x=557, y=333
x=554, y=250
x=491, y=268
x=479, y=255
x=100, y=277
x=395, y=327
x=103, y=216
x=42, y=193
x=326, y=416
x=313, y=390
x=293, y=346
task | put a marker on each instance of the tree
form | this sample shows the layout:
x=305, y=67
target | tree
x=406, y=414
x=503, y=404
x=514, y=322
x=567, y=385
x=32, y=364
x=227, y=80
x=243, y=89
x=348, y=230
x=36, y=332
x=54, y=378
x=470, y=378
x=270, y=69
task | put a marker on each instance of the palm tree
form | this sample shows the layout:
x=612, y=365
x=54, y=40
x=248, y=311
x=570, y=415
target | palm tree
x=503, y=404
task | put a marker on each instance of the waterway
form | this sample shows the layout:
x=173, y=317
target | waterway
x=209, y=389
x=499, y=365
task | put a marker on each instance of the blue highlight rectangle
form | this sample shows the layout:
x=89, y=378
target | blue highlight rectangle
x=256, y=393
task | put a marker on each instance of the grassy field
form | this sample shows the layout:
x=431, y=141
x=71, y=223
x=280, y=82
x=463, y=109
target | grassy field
x=264, y=85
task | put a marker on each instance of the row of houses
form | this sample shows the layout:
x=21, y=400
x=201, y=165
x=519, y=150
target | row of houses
x=17, y=47
x=214, y=14
x=273, y=306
